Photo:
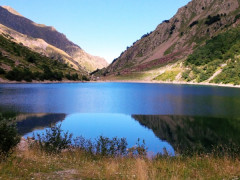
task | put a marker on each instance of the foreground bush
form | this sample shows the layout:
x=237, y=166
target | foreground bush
x=54, y=140
x=9, y=137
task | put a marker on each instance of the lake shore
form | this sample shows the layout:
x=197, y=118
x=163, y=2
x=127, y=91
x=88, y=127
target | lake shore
x=3, y=81
x=165, y=82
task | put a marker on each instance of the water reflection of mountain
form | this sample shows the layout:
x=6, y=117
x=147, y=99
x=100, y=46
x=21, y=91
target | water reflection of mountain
x=193, y=133
x=28, y=122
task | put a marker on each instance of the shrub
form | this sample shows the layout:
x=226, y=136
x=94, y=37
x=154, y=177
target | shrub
x=73, y=77
x=85, y=78
x=112, y=147
x=236, y=17
x=166, y=21
x=19, y=75
x=211, y=20
x=2, y=71
x=84, y=144
x=31, y=59
x=9, y=137
x=103, y=146
x=173, y=27
x=54, y=140
x=138, y=150
x=185, y=74
x=193, y=24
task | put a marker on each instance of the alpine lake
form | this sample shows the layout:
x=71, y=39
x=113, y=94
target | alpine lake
x=168, y=117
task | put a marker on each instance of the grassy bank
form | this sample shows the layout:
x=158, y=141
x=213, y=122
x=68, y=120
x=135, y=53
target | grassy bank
x=32, y=164
x=56, y=155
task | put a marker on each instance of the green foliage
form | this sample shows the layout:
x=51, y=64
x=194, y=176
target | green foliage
x=146, y=35
x=186, y=75
x=19, y=75
x=173, y=27
x=230, y=73
x=236, y=17
x=215, y=48
x=85, y=78
x=212, y=19
x=54, y=140
x=168, y=75
x=9, y=137
x=193, y=24
x=73, y=77
x=112, y=147
x=31, y=59
x=33, y=66
x=205, y=60
x=138, y=150
x=2, y=71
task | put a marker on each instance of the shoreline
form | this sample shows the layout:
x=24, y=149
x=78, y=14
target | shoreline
x=2, y=81
x=174, y=83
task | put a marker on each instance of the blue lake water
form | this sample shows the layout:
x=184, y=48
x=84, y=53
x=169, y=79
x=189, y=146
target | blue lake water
x=165, y=116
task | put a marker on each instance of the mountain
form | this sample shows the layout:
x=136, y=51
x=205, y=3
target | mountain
x=161, y=55
x=49, y=36
x=18, y=62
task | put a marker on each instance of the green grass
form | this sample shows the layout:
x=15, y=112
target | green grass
x=132, y=76
x=169, y=75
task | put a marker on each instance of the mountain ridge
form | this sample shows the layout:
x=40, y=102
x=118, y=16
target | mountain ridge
x=12, y=19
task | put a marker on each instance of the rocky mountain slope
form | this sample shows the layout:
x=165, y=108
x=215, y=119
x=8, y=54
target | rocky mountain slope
x=47, y=36
x=18, y=63
x=175, y=39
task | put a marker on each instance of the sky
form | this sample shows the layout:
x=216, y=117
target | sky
x=101, y=27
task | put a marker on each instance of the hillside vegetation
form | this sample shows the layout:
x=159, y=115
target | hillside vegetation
x=220, y=50
x=20, y=63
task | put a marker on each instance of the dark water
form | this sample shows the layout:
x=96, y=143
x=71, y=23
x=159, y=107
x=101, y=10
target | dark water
x=175, y=117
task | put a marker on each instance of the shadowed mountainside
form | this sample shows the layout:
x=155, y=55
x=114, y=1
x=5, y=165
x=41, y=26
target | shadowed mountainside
x=192, y=134
x=29, y=122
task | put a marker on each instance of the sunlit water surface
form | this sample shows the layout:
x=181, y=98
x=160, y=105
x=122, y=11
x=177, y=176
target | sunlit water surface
x=165, y=116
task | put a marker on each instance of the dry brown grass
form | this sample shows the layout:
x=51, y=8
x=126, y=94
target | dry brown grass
x=79, y=165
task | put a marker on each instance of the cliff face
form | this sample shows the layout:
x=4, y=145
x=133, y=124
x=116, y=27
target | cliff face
x=176, y=38
x=13, y=20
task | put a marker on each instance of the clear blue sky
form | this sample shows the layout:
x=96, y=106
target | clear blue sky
x=101, y=27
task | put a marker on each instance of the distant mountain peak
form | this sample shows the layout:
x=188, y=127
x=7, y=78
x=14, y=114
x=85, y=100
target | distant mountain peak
x=11, y=10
